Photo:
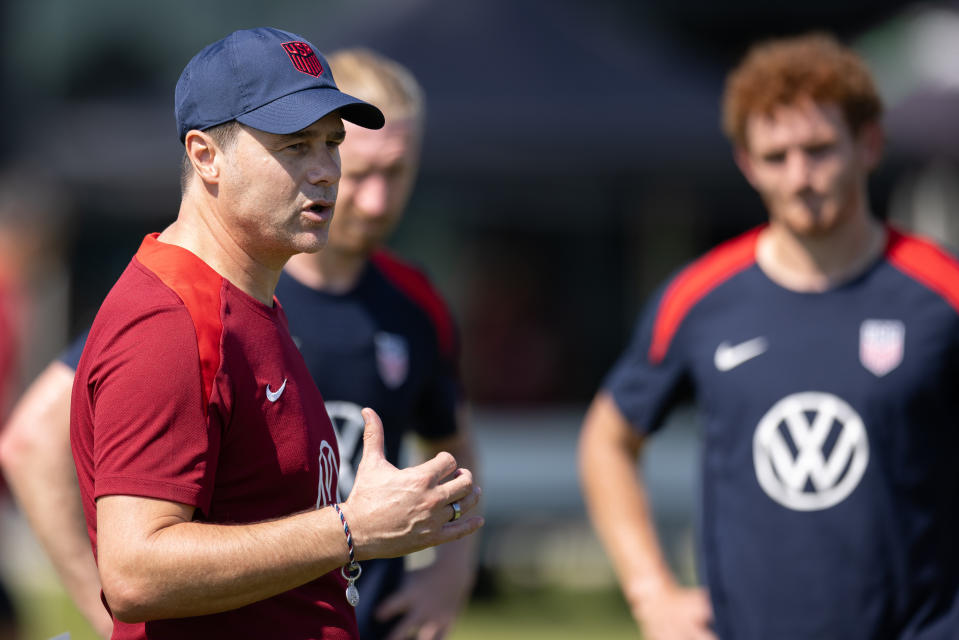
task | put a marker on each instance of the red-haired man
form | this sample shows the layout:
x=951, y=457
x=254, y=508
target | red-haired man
x=823, y=351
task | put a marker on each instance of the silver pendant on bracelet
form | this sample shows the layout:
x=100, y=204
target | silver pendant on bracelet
x=352, y=593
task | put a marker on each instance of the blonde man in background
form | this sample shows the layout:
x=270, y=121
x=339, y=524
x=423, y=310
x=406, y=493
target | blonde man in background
x=375, y=332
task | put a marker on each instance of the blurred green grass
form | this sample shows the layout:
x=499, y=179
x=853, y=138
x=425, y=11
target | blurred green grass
x=510, y=613
x=50, y=612
x=547, y=613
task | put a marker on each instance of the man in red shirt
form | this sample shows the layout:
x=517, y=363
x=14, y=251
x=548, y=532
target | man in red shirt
x=207, y=463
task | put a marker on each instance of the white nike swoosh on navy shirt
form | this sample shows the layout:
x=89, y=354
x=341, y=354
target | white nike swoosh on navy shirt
x=273, y=396
x=731, y=356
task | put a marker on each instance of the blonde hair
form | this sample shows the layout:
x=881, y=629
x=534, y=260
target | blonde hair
x=376, y=79
x=782, y=71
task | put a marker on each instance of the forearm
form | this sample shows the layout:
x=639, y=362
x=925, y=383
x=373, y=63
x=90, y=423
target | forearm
x=155, y=562
x=459, y=558
x=460, y=555
x=617, y=503
x=36, y=459
x=461, y=445
x=193, y=568
x=56, y=518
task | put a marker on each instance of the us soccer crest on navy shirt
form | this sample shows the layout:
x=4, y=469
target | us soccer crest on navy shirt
x=374, y=347
x=385, y=344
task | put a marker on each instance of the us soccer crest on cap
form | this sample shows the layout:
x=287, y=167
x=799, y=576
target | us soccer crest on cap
x=303, y=58
x=265, y=78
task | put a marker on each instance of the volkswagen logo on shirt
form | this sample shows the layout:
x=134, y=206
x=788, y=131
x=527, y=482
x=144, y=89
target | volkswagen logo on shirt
x=348, y=422
x=810, y=451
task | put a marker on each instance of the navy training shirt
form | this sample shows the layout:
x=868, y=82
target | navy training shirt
x=830, y=471
x=70, y=356
x=390, y=343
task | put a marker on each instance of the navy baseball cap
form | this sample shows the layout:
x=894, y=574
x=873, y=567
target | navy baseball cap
x=268, y=79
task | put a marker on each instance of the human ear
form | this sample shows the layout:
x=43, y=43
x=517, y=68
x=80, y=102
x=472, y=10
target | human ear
x=202, y=151
x=870, y=141
x=745, y=163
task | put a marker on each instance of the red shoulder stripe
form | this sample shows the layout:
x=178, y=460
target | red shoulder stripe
x=418, y=288
x=199, y=288
x=925, y=262
x=694, y=282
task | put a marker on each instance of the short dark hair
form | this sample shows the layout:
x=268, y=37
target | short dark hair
x=784, y=70
x=224, y=135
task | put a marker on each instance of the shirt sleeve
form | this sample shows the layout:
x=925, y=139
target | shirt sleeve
x=436, y=409
x=71, y=355
x=153, y=436
x=644, y=390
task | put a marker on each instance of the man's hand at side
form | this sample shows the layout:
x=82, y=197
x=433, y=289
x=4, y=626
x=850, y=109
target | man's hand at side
x=672, y=612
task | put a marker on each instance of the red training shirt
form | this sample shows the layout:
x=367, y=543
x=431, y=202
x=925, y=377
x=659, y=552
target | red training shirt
x=192, y=391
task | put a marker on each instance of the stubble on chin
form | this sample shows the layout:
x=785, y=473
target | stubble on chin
x=318, y=243
x=797, y=217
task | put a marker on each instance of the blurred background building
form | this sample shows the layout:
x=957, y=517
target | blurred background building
x=572, y=160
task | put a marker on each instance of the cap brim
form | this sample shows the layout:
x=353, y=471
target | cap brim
x=299, y=110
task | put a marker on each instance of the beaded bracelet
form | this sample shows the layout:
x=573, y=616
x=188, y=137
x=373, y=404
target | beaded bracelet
x=352, y=593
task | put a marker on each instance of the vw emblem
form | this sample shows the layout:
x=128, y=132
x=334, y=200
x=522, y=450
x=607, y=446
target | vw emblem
x=810, y=451
x=348, y=422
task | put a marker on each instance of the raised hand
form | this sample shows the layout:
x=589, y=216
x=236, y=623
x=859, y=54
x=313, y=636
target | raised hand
x=393, y=512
